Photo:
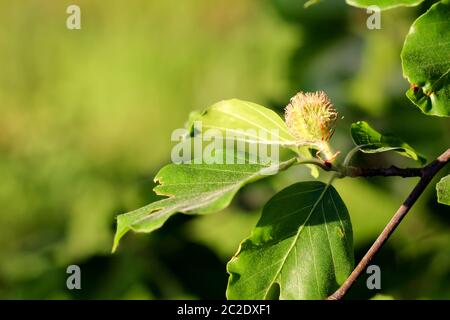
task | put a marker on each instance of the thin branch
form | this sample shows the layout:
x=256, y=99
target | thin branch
x=427, y=175
x=354, y=172
x=383, y=172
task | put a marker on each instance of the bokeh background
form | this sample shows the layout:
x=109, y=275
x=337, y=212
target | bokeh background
x=85, y=123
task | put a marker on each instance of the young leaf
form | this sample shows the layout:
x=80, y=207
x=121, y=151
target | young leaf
x=426, y=60
x=380, y=296
x=443, y=190
x=249, y=121
x=192, y=188
x=371, y=141
x=384, y=4
x=301, y=248
x=310, y=3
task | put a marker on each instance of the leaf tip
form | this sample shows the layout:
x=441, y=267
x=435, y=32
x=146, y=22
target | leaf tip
x=121, y=230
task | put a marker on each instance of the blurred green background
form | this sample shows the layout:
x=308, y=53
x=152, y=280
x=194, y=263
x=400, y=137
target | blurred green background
x=85, y=123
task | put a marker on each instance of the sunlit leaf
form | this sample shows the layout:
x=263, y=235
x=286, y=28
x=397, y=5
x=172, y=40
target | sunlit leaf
x=384, y=4
x=192, y=188
x=249, y=121
x=443, y=190
x=311, y=3
x=380, y=296
x=301, y=248
x=426, y=60
x=371, y=141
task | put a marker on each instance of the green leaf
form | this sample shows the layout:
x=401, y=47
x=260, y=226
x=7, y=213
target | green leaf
x=371, y=141
x=310, y=3
x=192, y=188
x=384, y=4
x=301, y=248
x=380, y=296
x=426, y=60
x=443, y=190
x=249, y=121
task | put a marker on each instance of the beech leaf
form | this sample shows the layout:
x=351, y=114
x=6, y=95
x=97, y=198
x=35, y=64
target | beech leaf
x=301, y=248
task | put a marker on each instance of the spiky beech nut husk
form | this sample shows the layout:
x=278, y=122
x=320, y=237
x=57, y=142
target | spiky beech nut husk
x=311, y=117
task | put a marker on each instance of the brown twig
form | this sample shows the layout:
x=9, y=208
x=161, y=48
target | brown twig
x=354, y=172
x=427, y=174
x=383, y=172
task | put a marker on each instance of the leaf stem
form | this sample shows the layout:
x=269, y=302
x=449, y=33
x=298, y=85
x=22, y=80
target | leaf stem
x=427, y=174
x=316, y=162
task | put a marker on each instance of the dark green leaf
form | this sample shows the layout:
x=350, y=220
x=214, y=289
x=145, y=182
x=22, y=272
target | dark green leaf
x=443, y=190
x=371, y=141
x=301, y=248
x=192, y=188
x=426, y=60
